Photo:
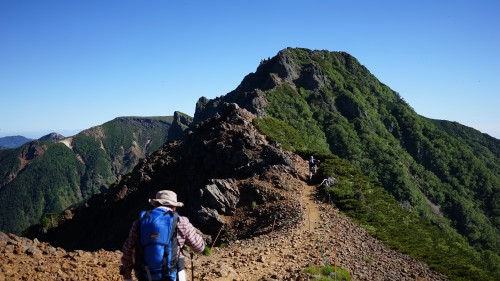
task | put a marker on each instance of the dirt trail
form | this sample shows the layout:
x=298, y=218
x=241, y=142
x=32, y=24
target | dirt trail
x=280, y=255
x=277, y=255
x=324, y=236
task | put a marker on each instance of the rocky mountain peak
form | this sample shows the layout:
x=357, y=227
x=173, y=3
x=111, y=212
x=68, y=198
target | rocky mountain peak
x=180, y=123
x=52, y=137
x=297, y=67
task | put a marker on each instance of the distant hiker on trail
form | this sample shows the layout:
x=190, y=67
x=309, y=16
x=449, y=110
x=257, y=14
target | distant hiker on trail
x=328, y=181
x=153, y=247
x=313, y=166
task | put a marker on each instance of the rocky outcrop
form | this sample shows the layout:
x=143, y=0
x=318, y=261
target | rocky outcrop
x=221, y=195
x=286, y=67
x=221, y=171
x=180, y=123
x=28, y=153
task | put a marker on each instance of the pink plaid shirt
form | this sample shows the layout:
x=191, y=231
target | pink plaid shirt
x=186, y=235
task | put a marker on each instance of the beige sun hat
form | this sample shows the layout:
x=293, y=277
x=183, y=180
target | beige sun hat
x=166, y=198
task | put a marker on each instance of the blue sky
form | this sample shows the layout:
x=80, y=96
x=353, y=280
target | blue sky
x=69, y=65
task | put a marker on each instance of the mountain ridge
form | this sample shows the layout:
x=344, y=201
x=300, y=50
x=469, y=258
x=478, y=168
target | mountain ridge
x=93, y=159
x=13, y=141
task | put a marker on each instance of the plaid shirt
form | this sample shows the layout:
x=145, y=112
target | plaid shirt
x=186, y=235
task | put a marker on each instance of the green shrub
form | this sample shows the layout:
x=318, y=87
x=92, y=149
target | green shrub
x=253, y=205
x=207, y=251
x=326, y=273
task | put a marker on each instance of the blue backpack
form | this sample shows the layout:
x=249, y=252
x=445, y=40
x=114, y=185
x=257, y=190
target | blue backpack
x=156, y=249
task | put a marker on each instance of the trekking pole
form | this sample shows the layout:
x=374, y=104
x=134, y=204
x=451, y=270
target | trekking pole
x=192, y=265
x=272, y=229
x=309, y=216
x=334, y=247
x=217, y=236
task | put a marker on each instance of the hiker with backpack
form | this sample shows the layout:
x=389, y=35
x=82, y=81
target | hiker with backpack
x=313, y=166
x=153, y=247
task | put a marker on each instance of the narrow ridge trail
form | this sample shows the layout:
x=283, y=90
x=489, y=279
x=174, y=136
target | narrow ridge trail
x=280, y=255
x=323, y=236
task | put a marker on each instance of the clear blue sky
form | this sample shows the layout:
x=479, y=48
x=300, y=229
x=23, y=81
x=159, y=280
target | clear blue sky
x=70, y=65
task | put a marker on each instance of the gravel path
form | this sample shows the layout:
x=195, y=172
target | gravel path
x=324, y=235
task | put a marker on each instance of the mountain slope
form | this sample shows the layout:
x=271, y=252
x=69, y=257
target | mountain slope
x=44, y=177
x=343, y=109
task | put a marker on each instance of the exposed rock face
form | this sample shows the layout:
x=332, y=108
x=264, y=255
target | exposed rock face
x=28, y=153
x=220, y=171
x=285, y=67
x=221, y=195
x=179, y=125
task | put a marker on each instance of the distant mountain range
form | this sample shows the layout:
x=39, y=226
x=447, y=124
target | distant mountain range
x=53, y=173
x=13, y=141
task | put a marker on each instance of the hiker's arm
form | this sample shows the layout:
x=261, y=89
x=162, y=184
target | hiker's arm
x=128, y=253
x=193, y=239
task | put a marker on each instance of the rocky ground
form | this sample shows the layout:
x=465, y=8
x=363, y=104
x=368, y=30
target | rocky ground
x=323, y=235
x=25, y=259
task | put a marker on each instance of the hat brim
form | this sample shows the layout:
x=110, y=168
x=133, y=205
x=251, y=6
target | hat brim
x=163, y=202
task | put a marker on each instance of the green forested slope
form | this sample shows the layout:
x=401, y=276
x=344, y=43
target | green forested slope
x=415, y=160
x=50, y=184
x=40, y=178
x=398, y=225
